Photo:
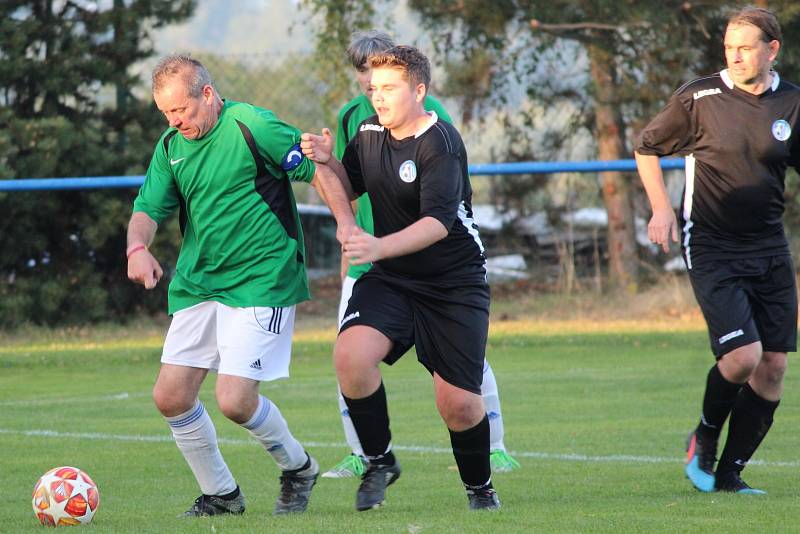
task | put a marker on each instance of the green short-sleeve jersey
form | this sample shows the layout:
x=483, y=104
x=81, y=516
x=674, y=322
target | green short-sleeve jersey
x=350, y=117
x=242, y=240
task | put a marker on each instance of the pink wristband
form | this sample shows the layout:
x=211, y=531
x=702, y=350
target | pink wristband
x=134, y=249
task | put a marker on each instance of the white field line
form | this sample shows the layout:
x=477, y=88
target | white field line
x=74, y=400
x=621, y=458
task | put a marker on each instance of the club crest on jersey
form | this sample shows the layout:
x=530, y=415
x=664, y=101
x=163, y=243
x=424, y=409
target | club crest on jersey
x=408, y=171
x=292, y=159
x=781, y=130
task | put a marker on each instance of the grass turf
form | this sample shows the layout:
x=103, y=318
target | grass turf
x=596, y=414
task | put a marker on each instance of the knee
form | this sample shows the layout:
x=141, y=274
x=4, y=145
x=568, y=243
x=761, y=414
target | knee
x=238, y=408
x=349, y=359
x=341, y=359
x=739, y=364
x=172, y=402
x=774, y=364
x=460, y=413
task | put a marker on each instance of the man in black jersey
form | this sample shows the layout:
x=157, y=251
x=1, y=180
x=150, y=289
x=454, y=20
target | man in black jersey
x=427, y=287
x=739, y=132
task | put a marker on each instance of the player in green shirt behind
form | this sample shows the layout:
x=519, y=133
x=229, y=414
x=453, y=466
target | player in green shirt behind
x=363, y=45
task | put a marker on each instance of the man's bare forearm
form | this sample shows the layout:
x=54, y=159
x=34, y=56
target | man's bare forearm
x=141, y=229
x=652, y=177
x=335, y=190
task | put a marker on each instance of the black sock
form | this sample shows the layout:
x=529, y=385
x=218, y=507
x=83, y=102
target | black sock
x=751, y=419
x=471, y=450
x=370, y=417
x=718, y=401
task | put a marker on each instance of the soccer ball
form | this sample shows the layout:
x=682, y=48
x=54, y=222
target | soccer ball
x=65, y=496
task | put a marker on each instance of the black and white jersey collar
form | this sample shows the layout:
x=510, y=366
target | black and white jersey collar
x=427, y=126
x=728, y=81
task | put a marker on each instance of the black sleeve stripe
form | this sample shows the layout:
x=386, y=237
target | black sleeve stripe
x=166, y=140
x=261, y=168
x=345, y=120
x=274, y=191
x=183, y=215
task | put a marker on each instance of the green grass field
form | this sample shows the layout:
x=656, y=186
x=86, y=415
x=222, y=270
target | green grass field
x=597, y=417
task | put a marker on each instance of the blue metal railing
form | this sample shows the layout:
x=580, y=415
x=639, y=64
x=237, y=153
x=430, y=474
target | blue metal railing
x=523, y=167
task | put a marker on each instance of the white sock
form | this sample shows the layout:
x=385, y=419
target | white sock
x=491, y=400
x=269, y=428
x=350, y=433
x=196, y=438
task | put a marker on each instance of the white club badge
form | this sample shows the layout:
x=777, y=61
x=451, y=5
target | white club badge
x=781, y=130
x=408, y=171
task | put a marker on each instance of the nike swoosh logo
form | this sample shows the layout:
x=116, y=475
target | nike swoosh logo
x=175, y=161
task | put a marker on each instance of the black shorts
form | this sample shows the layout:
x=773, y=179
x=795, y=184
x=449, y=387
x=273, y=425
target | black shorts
x=448, y=325
x=748, y=300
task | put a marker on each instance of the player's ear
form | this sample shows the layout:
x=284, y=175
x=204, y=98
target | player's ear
x=774, y=47
x=420, y=92
x=208, y=94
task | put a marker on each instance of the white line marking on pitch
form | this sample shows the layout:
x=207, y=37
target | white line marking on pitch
x=74, y=400
x=410, y=448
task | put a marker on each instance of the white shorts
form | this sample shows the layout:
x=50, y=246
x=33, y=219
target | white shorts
x=347, y=291
x=253, y=343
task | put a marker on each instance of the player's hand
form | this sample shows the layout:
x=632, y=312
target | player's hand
x=144, y=269
x=362, y=247
x=317, y=148
x=344, y=231
x=662, y=227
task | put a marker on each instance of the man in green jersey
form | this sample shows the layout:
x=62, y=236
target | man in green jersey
x=362, y=46
x=226, y=166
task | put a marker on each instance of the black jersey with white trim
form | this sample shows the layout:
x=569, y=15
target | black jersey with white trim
x=424, y=175
x=738, y=146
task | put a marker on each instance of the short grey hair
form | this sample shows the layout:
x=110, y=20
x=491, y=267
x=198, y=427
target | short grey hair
x=365, y=44
x=193, y=73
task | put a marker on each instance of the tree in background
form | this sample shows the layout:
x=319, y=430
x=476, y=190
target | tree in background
x=334, y=21
x=629, y=58
x=610, y=64
x=67, y=110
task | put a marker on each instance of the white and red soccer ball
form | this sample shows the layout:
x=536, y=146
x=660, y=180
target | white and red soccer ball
x=65, y=496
